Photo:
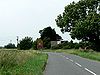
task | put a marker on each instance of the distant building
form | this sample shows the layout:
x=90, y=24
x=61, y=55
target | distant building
x=55, y=43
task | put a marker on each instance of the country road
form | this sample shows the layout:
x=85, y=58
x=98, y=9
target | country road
x=67, y=64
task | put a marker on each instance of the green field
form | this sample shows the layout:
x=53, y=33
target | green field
x=20, y=62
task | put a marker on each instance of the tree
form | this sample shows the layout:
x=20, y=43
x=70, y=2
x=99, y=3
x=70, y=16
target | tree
x=35, y=44
x=10, y=46
x=47, y=43
x=26, y=43
x=82, y=20
x=48, y=34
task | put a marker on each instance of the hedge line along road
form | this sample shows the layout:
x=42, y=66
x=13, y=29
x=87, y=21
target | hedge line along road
x=67, y=64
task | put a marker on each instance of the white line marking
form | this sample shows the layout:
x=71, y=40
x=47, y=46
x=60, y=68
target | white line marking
x=67, y=58
x=71, y=60
x=64, y=57
x=90, y=71
x=78, y=64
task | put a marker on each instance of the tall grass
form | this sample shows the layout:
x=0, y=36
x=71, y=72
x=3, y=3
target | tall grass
x=90, y=54
x=15, y=62
x=86, y=54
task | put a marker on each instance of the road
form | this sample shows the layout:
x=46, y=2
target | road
x=67, y=64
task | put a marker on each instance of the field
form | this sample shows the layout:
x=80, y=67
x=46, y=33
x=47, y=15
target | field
x=20, y=62
x=90, y=54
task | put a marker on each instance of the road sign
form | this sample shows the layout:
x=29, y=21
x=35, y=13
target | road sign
x=40, y=44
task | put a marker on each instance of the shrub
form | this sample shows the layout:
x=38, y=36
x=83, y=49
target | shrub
x=9, y=46
x=67, y=47
x=59, y=46
x=76, y=46
x=26, y=43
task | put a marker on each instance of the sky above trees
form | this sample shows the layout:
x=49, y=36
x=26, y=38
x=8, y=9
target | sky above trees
x=26, y=17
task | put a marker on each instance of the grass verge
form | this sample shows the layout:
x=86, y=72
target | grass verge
x=86, y=54
x=14, y=62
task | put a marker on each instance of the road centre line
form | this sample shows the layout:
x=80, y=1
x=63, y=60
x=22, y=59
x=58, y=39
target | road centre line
x=79, y=65
x=67, y=58
x=71, y=60
x=90, y=71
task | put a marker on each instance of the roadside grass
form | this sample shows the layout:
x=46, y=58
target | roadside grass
x=22, y=62
x=90, y=54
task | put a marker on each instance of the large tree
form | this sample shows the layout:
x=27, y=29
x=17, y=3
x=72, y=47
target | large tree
x=48, y=34
x=82, y=20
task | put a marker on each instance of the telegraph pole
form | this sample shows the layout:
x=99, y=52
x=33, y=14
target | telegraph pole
x=17, y=40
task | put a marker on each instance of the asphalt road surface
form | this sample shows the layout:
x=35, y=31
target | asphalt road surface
x=67, y=64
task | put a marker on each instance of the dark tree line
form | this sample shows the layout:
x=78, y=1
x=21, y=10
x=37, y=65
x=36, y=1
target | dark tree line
x=10, y=46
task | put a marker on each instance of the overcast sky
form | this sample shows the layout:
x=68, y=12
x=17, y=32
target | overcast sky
x=26, y=17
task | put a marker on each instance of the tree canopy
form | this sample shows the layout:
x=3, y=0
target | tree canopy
x=49, y=33
x=26, y=43
x=82, y=20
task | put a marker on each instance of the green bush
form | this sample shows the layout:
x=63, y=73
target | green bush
x=35, y=45
x=55, y=47
x=76, y=46
x=10, y=46
x=59, y=46
x=67, y=47
x=26, y=43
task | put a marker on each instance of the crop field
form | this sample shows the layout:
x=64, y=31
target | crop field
x=22, y=62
